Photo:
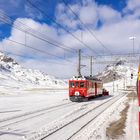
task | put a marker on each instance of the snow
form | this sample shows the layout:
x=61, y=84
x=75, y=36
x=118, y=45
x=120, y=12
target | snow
x=33, y=104
x=46, y=123
x=132, y=121
x=11, y=73
x=97, y=129
x=124, y=81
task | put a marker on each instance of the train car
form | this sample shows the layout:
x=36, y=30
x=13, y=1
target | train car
x=82, y=88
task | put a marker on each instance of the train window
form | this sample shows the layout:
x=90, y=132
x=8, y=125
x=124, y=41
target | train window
x=76, y=84
x=71, y=84
x=82, y=84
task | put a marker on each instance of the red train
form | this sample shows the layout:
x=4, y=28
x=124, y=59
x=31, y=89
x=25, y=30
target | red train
x=82, y=88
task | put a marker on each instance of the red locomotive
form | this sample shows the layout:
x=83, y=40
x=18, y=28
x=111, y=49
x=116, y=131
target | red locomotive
x=82, y=88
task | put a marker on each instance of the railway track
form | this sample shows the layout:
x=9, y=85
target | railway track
x=71, y=127
x=31, y=114
x=34, y=114
x=91, y=120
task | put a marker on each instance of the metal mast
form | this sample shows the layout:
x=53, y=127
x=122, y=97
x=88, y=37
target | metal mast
x=79, y=63
x=91, y=58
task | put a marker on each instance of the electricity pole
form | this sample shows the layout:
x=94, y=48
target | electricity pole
x=91, y=58
x=132, y=38
x=114, y=77
x=79, y=63
x=113, y=83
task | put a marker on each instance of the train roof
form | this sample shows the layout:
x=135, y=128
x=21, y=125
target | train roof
x=85, y=78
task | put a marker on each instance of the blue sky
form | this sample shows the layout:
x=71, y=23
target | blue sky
x=111, y=21
x=21, y=8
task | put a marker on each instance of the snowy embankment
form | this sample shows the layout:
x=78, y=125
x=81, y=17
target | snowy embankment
x=123, y=82
x=132, y=120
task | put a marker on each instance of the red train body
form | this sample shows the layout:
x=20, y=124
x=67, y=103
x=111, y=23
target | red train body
x=82, y=88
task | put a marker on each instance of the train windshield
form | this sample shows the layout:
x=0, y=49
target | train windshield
x=71, y=84
x=82, y=84
x=77, y=84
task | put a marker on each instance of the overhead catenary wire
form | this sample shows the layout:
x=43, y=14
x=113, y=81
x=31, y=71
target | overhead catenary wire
x=28, y=57
x=24, y=28
x=61, y=26
x=114, y=62
x=118, y=54
x=38, y=50
x=83, y=24
x=42, y=51
x=19, y=27
x=26, y=31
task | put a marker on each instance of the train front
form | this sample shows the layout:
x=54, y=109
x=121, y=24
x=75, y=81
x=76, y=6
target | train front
x=77, y=89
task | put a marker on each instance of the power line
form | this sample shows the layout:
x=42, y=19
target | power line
x=91, y=32
x=53, y=20
x=27, y=57
x=29, y=30
x=114, y=62
x=41, y=51
x=119, y=54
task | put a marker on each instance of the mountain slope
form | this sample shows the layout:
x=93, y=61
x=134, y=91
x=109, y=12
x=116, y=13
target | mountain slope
x=14, y=75
x=120, y=69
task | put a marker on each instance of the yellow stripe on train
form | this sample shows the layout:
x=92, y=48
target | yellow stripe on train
x=138, y=75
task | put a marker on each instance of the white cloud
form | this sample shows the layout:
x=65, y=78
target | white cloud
x=108, y=15
x=89, y=15
x=65, y=16
x=87, y=12
x=114, y=34
x=32, y=13
x=42, y=61
x=56, y=67
x=132, y=5
x=19, y=36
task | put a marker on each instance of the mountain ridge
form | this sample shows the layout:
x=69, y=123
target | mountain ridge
x=11, y=70
x=116, y=71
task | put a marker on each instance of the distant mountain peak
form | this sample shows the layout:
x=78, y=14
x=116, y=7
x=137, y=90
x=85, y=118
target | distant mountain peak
x=120, y=62
x=6, y=58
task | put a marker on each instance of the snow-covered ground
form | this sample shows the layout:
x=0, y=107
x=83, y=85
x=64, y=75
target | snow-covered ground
x=29, y=115
x=35, y=106
x=33, y=116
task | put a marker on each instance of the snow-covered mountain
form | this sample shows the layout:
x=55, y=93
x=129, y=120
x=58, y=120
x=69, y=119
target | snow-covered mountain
x=15, y=76
x=119, y=70
x=122, y=79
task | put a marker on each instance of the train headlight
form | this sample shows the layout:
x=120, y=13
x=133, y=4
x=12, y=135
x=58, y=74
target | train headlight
x=77, y=93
